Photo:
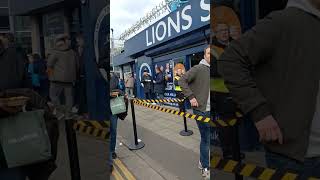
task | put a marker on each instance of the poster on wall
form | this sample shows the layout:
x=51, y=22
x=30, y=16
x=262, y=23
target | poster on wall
x=170, y=69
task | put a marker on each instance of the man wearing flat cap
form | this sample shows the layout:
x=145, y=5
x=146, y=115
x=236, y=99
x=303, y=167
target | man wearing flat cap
x=63, y=66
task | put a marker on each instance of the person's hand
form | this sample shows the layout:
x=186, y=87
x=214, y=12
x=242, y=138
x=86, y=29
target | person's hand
x=154, y=81
x=194, y=102
x=142, y=85
x=50, y=71
x=269, y=130
x=114, y=94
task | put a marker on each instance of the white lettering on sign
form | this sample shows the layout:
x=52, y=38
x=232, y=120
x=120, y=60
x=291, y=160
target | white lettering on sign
x=186, y=17
x=153, y=40
x=176, y=26
x=183, y=21
x=206, y=7
x=160, y=38
x=147, y=38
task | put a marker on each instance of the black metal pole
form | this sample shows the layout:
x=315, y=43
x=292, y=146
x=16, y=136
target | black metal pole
x=134, y=124
x=72, y=150
x=184, y=132
x=137, y=145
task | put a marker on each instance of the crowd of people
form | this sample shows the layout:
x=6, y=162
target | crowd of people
x=60, y=77
x=48, y=82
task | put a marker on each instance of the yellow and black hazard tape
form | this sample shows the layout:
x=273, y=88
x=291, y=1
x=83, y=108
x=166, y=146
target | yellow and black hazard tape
x=99, y=133
x=216, y=123
x=160, y=100
x=95, y=124
x=254, y=171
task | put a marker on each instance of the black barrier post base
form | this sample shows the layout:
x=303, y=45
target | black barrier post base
x=72, y=150
x=185, y=132
x=137, y=145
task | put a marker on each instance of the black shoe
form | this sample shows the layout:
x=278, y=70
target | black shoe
x=114, y=155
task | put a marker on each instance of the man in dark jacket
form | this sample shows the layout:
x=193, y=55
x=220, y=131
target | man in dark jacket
x=273, y=73
x=14, y=76
x=195, y=85
x=146, y=82
x=159, y=84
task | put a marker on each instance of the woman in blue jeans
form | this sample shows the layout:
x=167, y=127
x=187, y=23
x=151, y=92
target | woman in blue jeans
x=114, y=92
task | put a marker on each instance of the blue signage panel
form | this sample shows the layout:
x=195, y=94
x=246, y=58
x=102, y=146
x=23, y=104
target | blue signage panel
x=95, y=16
x=191, y=16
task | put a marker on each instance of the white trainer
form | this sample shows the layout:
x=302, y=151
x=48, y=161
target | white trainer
x=205, y=173
x=200, y=166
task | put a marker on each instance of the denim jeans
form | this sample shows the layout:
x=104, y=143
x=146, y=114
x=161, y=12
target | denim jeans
x=113, y=137
x=309, y=168
x=12, y=174
x=248, y=135
x=204, y=129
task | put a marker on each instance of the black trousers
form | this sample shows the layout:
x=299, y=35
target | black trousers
x=225, y=108
x=179, y=95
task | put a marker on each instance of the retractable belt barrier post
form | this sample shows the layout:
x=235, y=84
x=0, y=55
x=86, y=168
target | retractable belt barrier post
x=185, y=132
x=137, y=145
x=72, y=150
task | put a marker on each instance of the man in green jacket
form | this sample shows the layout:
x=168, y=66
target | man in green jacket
x=195, y=85
x=273, y=73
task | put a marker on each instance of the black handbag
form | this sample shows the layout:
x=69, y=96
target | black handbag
x=123, y=115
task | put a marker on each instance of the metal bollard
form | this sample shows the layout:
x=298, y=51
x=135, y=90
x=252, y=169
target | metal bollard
x=185, y=132
x=137, y=145
x=72, y=150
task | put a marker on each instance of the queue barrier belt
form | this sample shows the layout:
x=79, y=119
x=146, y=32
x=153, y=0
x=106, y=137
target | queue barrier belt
x=100, y=133
x=95, y=124
x=160, y=100
x=216, y=123
x=254, y=171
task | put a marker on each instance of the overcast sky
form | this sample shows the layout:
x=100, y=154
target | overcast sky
x=124, y=13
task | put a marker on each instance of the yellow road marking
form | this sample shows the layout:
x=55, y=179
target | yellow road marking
x=124, y=170
x=116, y=174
